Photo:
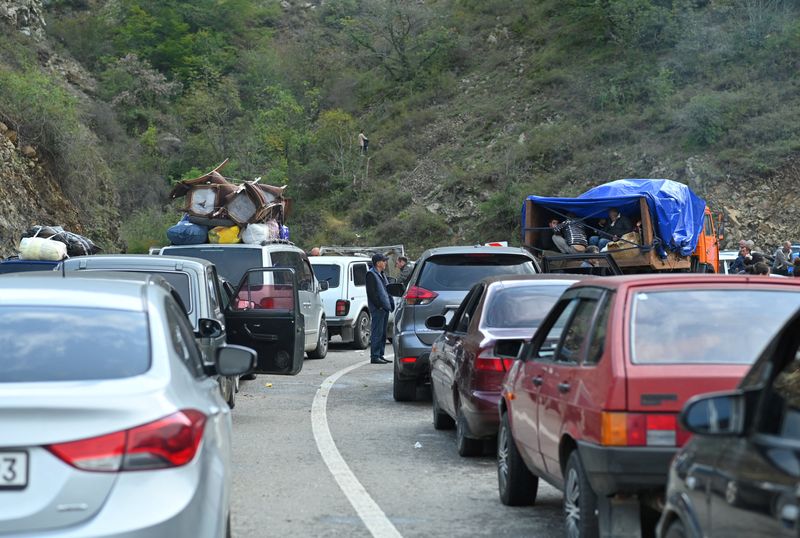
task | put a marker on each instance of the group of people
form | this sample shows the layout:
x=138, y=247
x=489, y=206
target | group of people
x=570, y=235
x=749, y=261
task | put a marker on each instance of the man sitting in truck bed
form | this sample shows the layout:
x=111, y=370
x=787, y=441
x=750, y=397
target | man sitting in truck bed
x=617, y=226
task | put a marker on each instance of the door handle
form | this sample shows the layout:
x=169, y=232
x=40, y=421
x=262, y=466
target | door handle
x=537, y=381
x=256, y=336
x=306, y=304
x=563, y=387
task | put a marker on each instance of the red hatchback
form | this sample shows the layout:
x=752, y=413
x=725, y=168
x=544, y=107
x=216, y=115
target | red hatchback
x=592, y=406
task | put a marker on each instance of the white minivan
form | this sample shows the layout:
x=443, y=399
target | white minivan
x=345, y=300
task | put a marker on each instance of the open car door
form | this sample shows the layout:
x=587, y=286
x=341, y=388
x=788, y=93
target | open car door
x=264, y=314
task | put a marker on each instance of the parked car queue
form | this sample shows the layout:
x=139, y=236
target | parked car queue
x=590, y=401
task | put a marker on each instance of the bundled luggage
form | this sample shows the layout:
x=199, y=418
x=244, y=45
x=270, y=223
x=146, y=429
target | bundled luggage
x=249, y=212
x=32, y=247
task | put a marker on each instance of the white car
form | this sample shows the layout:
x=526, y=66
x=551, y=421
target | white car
x=112, y=423
x=345, y=300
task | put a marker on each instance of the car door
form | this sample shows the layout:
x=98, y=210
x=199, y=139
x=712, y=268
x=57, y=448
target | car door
x=556, y=391
x=265, y=315
x=455, y=367
x=755, y=487
x=309, y=288
x=535, y=369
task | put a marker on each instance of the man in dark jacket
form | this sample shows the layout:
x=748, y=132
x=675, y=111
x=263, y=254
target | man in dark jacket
x=380, y=304
x=616, y=226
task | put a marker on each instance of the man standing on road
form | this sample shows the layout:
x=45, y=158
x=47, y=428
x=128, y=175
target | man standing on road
x=405, y=270
x=380, y=304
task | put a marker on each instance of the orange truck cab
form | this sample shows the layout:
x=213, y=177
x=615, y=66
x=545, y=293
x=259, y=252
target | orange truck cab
x=705, y=258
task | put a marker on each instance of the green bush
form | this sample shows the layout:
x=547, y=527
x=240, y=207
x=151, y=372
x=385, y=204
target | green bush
x=147, y=228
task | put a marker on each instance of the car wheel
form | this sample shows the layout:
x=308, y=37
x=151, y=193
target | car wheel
x=466, y=446
x=248, y=377
x=441, y=420
x=580, y=502
x=236, y=386
x=516, y=484
x=362, y=331
x=321, y=350
x=403, y=390
x=675, y=529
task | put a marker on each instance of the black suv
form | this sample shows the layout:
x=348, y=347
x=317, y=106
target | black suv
x=441, y=278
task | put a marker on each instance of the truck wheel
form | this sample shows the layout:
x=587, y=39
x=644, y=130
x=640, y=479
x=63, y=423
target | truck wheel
x=361, y=331
x=580, y=502
x=441, y=420
x=516, y=484
x=321, y=350
x=467, y=446
x=402, y=390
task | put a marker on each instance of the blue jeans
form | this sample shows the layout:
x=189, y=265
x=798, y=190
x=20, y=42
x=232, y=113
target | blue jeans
x=377, y=338
x=599, y=242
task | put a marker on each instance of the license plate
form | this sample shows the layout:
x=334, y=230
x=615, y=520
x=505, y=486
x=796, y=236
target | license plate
x=13, y=470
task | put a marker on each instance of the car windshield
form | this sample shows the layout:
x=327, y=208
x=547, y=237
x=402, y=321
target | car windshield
x=329, y=272
x=520, y=307
x=458, y=272
x=71, y=344
x=231, y=263
x=707, y=326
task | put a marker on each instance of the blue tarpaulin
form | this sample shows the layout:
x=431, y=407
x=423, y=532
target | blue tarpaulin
x=676, y=210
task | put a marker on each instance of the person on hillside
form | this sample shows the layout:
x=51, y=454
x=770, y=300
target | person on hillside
x=380, y=304
x=569, y=236
x=616, y=226
x=781, y=264
x=405, y=269
x=363, y=142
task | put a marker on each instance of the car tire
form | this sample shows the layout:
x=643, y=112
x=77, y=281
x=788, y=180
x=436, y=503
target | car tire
x=441, y=420
x=675, y=529
x=467, y=447
x=580, y=501
x=321, y=350
x=403, y=390
x=362, y=330
x=515, y=483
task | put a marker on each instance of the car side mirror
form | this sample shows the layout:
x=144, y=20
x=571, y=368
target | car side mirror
x=508, y=348
x=324, y=285
x=232, y=360
x=209, y=328
x=718, y=414
x=396, y=289
x=436, y=323
x=391, y=280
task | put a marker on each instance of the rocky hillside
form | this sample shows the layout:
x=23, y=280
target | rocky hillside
x=30, y=188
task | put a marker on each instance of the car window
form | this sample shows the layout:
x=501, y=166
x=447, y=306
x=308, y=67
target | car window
x=519, y=307
x=360, y=274
x=61, y=344
x=547, y=349
x=577, y=331
x=306, y=275
x=715, y=326
x=469, y=311
x=182, y=340
x=231, y=263
x=329, y=272
x=213, y=295
x=455, y=322
x=458, y=272
x=780, y=414
x=597, y=340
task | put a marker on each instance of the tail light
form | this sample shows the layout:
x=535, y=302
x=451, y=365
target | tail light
x=641, y=429
x=342, y=307
x=408, y=360
x=168, y=442
x=490, y=371
x=419, y=296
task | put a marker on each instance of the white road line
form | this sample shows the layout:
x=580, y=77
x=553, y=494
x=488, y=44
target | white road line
x=368, y=510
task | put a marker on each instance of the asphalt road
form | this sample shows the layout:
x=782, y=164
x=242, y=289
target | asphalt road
x=405, y=476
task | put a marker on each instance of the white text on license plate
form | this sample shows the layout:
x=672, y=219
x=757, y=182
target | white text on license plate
x=13, y=469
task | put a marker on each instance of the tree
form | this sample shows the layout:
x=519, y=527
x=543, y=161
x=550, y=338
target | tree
x=336, y=140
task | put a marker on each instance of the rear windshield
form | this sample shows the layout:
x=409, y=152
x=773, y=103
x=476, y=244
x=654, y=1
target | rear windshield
x=71, y=344
x=179, y=281
x=707, y=326
x=231, y=262
x=458, y=272
x=329, y=272
x=521, y=307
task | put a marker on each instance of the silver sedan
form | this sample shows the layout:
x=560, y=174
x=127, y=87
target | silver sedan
x=110, y=423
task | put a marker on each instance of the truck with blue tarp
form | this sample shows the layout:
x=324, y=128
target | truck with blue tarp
x=674, y=229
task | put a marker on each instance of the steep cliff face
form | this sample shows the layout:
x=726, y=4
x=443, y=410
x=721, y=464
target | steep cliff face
x=29, y=190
